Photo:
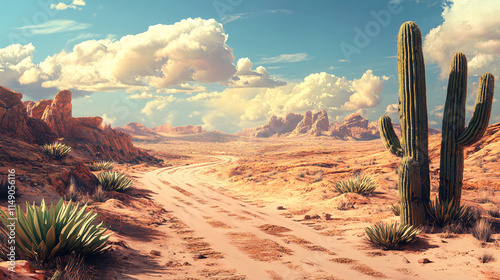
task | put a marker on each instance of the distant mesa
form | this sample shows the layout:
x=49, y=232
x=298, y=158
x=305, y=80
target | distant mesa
x=187, y=129
x=138, y=131
x=354, y=127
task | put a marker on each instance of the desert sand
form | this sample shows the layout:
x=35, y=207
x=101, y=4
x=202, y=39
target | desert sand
x=236, y=210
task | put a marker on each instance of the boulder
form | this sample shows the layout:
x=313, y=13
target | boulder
x=84, y=178
x=355, y=120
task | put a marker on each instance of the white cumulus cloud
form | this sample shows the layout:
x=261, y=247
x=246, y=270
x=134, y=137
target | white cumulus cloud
x=108, y=119
x=237, y=108
x=471, y=27
x=392, y=110
x=158, y=104
x=62, y=6
x=246, y=77
x=165, y=56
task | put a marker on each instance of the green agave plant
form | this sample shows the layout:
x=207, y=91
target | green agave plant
x=360, y=184
x=56, y=150
x=101, y=165
x=444, y=213
x=114, y=181
x=391, y=236
x=45, y=232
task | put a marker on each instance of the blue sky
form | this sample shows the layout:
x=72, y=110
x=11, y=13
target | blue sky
x=231, y=64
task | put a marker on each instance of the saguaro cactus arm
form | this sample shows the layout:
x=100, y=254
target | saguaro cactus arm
x=389, y=137
x=482, y=112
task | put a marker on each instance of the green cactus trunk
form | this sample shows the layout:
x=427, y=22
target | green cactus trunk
x=455, y=136
x=452, y=154
x=413, y=102
x=414, y=181
x=410, y=193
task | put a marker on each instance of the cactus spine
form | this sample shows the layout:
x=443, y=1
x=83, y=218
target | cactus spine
x=414, y=193
x=455, y=137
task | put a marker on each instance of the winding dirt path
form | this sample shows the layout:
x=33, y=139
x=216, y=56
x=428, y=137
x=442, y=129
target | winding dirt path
x=258, y=243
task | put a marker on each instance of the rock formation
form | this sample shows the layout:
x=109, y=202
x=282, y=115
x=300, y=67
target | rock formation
x=14, y=121
x=354, y=127
x=47, y=120
x=186, y=129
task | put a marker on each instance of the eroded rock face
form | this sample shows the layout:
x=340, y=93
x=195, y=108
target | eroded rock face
x=15, y=122
x=87, y=135
x=35, y=110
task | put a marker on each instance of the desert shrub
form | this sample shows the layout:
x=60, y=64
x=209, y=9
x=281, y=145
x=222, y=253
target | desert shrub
x=360, y=184
x=100, y=194
x=114, y=181
x=101, y=165
x=442, y=214
x=43, y=233
x=486, y=257
x=391, y=236
x=396, y=209
x=72, y=267
x=56, y=150
x=343, y=205
x=72, y=194
x=482, y=230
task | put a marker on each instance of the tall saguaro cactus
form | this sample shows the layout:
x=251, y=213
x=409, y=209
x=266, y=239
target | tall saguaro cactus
x=455, y=137
x=414, y=181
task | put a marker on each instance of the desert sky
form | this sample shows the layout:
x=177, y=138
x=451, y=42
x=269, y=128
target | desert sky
x=231, y=64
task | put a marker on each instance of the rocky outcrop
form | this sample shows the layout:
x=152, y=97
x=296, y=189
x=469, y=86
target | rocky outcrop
x=186, y=129
x=14, y=121
x=47, y=120
x=353, y=127
x=35, y=110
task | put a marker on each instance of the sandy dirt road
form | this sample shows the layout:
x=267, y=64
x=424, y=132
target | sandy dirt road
x=256, y=242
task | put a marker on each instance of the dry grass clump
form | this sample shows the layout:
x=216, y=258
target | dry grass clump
x=361, y=184
x=482, y=230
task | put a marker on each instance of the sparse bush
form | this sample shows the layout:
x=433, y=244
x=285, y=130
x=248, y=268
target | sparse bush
x=482, y=230
x=100, y=194
x=344, y=205
x=114, y=181
x=396, y=210
x=360, y=184
x=73, y=267
x=391, y=236
x=56, y=150
x=486, y=258
x=442, y=214
x=101, y=165
x=72, y=194
x=46, y=232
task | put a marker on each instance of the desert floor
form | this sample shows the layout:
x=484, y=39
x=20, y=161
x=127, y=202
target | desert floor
x=237, y=210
